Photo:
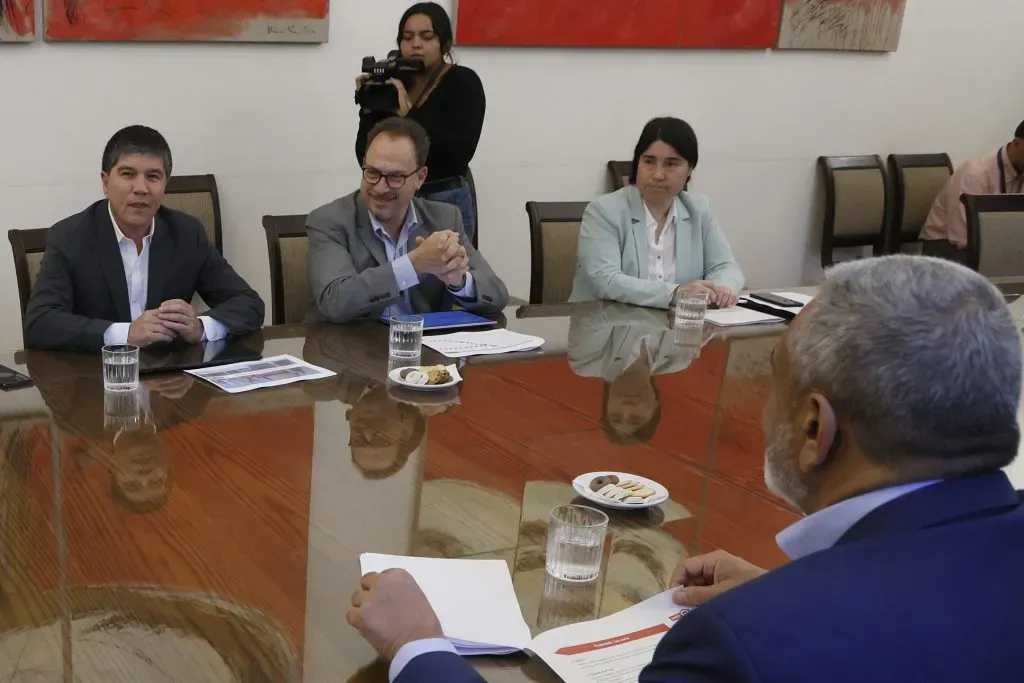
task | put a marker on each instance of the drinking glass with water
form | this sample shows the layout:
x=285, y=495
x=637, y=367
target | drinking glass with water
x=406, y=337
x=120, y=367
x=576, y=542
x=690, y=311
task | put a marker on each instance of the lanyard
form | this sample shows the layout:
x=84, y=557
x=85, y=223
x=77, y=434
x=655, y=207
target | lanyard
x=1002, y=171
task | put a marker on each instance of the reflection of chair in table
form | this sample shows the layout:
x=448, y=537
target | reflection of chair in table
x=121, y=633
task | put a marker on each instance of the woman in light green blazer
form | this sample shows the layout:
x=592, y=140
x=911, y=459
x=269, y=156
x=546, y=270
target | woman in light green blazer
x=652, y=241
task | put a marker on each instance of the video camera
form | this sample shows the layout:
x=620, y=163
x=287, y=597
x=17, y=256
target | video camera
x=377, y=94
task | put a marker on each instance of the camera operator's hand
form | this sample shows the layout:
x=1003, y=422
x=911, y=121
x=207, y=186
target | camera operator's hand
x=432, y=255
x=404, y=105
x=361, y=81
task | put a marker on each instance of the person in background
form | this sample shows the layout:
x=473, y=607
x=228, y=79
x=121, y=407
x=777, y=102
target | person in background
x=945, y=230
x=383, y=249
x=125, y=269
x=653, y=241
x=892, y=412
x=447, y=99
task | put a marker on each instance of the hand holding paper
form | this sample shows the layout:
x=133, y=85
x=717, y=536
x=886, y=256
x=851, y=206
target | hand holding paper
x=391, y=611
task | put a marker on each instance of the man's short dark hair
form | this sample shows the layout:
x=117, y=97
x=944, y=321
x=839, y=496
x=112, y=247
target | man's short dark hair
x=136, y=140
x=401, y=127
x=1020, y=131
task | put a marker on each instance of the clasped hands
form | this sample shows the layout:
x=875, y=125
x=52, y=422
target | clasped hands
x=390, y=610
x=175, y=319
x=443, y=256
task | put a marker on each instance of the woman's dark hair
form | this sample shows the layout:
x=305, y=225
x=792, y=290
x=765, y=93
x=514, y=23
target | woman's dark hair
x=674, y=132
x=1020, y=131
x=439, y=19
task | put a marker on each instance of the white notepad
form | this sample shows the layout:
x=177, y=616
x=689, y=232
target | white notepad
x=474, y=600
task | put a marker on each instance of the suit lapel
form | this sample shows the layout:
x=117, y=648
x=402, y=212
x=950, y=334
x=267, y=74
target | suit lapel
x=684, y=231
x=638, y=219
x=947, y=501
x=109, y=254
x=161, y=258
x=365, y=230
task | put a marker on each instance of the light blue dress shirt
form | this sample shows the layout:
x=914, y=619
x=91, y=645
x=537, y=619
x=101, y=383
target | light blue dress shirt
x=413, y=650
x=136, y=274
x=825, y=527
x=398, y=256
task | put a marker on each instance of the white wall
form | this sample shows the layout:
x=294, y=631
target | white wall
x=276, y=124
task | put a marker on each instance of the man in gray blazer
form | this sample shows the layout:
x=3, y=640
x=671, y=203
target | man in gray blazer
x=382, y=249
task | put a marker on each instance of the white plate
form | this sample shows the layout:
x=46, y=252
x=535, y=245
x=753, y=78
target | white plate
x=396, y=377
x=581, y=485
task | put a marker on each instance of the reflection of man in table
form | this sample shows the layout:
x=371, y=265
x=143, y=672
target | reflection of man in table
x=626, y=347
x=383, y=432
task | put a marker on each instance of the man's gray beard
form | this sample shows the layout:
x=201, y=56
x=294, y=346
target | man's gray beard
x=781, y=475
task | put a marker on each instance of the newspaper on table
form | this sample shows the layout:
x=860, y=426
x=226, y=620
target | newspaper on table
x=462, y=344
x=258, y=374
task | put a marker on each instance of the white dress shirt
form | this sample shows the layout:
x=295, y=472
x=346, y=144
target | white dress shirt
x=661, y=253
x=825, y=527
x=136, y=274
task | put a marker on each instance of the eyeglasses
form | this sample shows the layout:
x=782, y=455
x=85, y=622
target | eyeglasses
x=393, y=180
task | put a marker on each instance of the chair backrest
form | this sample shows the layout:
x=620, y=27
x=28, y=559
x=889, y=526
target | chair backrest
x=197, y=196
x=995, y=234
x=619, y=172
x=28, y=247
x=917, y=181
x=856, y=204
x=476, y=207
x=288, y=249
x=554, y=238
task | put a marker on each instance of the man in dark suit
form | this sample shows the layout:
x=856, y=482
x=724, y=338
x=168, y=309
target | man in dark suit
x=893, y=411
x=125, y=269
x=380, y=249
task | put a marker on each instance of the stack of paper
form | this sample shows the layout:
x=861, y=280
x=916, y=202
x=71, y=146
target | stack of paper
x=479, y=614
x=461, y=344
x=268, y=372
x=734, y=315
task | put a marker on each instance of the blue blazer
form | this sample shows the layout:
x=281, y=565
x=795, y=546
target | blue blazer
x=611, y=260
x=927, y=588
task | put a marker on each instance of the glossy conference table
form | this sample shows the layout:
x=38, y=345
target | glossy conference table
x=219, y=539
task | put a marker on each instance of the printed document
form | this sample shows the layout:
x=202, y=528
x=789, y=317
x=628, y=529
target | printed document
x=258, y=374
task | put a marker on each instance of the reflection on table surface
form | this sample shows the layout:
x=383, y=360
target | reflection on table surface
x=215, y=537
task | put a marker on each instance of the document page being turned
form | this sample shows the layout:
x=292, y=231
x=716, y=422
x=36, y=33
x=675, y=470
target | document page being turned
x=610, y=650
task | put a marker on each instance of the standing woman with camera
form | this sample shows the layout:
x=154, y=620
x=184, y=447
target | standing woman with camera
x=445, y=98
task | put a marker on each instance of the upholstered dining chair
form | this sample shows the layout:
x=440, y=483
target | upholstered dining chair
x=618, y=173
x=28, y=247
x=917, y=181
x=197, y=196
x=288, y=250
x=856, y=204
x=995, y=234
x=554, y=235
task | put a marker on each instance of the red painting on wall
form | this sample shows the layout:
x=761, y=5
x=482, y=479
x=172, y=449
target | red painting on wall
x=17, y=21
x=274, y=21
x=619, y=23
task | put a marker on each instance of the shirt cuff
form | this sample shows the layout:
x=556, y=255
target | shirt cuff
x=405, y=273
x=213, y=330
x=412, y=650
x=116, y=334
x=468, y=290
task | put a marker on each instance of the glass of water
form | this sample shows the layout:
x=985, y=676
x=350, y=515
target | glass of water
x=576, y=542
x=406, y=338
x=690, y=311
x=120, y=367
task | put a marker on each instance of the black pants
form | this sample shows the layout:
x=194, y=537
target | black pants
x=944, y=249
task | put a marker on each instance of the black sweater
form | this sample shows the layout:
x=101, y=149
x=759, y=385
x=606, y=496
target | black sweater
x=453, y=117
